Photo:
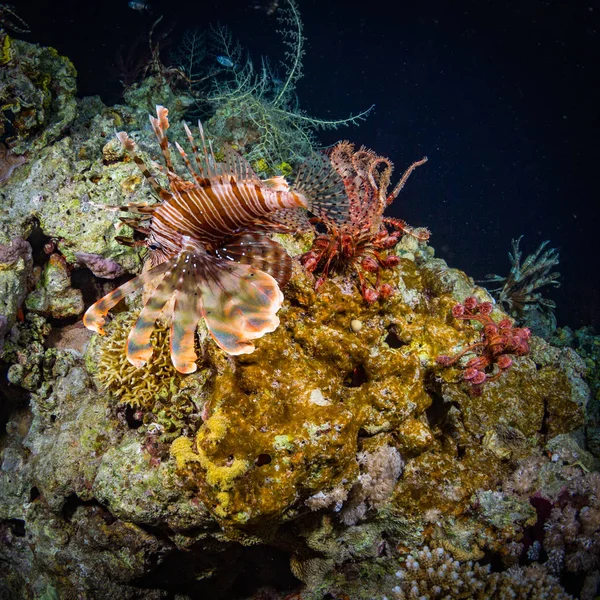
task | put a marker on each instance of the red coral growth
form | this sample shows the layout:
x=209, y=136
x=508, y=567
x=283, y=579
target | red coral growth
x=498, y=340
x=360, y=240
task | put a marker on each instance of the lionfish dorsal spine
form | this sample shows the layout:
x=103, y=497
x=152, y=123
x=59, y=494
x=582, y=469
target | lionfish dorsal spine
x=207, y=151
x=192, y=141
x=160, y=124
x=195, y=174
x=129, y=146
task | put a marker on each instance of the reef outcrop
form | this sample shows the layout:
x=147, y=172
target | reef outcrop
x=334, y=459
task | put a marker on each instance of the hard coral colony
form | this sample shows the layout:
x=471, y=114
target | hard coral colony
x=208, y=248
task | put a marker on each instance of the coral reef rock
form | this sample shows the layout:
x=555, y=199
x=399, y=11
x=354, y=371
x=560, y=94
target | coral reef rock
x=338, y=460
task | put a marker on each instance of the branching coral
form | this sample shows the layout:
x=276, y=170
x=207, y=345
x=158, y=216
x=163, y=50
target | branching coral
x=256, y=110
x=498, y=341
x=572, y=533
x=519, y=289
x=567, y=501
x=433, y=574
x=359, y=240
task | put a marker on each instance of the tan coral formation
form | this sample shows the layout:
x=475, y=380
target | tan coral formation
x=434, y=574
x=287, y=422
x=327, y=423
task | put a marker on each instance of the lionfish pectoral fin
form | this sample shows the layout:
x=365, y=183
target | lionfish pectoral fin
x=187, y=313
x=139, y=347
x=286, y=220
x=259, y=251
x=239, y=304
x=95, y=315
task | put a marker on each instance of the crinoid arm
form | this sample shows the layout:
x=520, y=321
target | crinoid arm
x=520, y=288
x=95, y=315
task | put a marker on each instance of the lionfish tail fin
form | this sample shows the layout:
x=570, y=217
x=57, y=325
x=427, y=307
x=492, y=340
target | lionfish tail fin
x=323, y=188
x=239, y=304
x=95, y=315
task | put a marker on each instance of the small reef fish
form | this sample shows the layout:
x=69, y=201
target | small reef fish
x=139, y=5
x=225, y=61
x=267, y=7
x=208, y=248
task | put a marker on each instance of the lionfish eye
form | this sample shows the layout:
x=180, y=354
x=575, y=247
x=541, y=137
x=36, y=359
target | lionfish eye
x=153, y=246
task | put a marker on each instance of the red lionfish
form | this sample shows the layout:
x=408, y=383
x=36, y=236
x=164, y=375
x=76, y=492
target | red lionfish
x=208, y=248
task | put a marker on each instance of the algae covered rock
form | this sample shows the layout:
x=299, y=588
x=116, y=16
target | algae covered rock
x=53, y=295
x=37, y=95
x=16, y=264
x=332, y=443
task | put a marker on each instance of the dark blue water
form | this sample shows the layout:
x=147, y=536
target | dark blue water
x=500, y=96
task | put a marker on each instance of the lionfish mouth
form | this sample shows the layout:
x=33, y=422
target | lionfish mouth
x=238, y=302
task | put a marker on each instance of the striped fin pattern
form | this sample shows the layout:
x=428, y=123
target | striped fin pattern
x=238, y=302
x=260, y=252
x=139, y=348
x=287, y=220
x=95, y=315
x=324, y=189
x=240, y=306
x=187, y=312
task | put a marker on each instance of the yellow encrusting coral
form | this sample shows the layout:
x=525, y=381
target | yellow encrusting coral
x=286, y=425
x=181, y=451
